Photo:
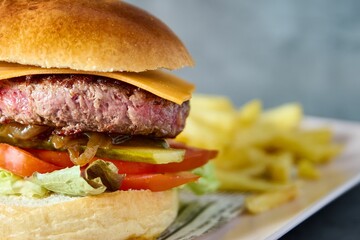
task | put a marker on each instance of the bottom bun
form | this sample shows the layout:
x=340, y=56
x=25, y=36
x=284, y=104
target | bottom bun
x=116, y=215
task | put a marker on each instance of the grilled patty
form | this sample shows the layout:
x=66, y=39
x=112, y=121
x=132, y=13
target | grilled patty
x=80, y=103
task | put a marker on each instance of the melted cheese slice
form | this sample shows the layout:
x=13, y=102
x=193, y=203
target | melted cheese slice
x=162, y=84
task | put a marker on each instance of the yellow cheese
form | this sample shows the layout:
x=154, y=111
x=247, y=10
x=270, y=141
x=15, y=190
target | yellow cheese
x=157, y=82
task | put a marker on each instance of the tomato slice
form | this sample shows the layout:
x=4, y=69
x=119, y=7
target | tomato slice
x=22, y=163
x=194, y=158
x=62, y=159
x=157, y=182
x=138, y=175
x=132, y=167
x=58, y=158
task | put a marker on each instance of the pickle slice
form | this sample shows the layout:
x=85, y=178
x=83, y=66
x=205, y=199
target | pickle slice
x=155, y=151
x=142, y=154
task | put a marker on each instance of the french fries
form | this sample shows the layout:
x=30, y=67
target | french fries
x=263, y=152
x=262, y=202
x=235, y=181
x=307, y=169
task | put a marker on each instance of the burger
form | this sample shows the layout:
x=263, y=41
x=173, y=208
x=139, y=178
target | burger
x=87, y=108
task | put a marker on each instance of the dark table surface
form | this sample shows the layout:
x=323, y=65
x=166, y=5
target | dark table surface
x=338, y=220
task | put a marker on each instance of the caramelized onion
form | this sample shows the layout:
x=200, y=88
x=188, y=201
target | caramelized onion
x=20, y=131
x=95, y=141
x=66, y=142
x=59, y=141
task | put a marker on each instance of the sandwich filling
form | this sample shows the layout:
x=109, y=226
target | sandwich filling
x=79, y=134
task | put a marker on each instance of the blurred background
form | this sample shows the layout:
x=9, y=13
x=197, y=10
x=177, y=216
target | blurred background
x=278, y=50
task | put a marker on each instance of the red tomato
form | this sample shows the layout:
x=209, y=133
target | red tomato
x=157, y=182
x=194, y=158
x=132, y=167
x=58, y=158
x=154, y=177
x=22, y=163
x=62, y=159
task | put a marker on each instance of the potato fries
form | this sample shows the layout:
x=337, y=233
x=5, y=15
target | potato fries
x=262, y=202
x=264, y=152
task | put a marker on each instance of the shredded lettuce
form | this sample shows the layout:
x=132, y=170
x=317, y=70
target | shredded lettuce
x=207, y=182
x=11, y=184
x=69, y=181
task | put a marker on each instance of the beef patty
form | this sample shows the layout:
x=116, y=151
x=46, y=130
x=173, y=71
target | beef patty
x=80, y=103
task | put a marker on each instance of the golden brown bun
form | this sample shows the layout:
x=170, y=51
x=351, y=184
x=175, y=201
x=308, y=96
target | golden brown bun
x=101, y=35
x=117, y=215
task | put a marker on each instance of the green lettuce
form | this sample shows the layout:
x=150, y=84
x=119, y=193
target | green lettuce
x=207, y=183
x=69, y=181
x=11, y=184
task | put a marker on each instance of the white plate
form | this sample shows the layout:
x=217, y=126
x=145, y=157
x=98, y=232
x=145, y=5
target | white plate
x=220, y=216
x=336, y=178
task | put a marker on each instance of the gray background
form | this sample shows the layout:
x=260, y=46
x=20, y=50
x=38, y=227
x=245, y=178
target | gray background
x=275, y=50
x=278, y=51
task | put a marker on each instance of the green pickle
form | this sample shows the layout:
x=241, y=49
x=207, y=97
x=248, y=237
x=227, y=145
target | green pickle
x=146, y=150
x=143, y=154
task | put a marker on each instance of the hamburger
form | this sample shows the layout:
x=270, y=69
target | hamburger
x=87, y=108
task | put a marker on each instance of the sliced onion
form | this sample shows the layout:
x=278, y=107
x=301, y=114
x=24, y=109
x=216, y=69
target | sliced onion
x=65, y=142
x=83, y=158
x=104, y=140
x=74, y=145
x=20, y=131
x=59, y=141
x=74, y=152
x=95, y=141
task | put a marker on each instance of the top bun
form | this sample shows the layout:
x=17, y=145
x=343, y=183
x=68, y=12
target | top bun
x=101, y=35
